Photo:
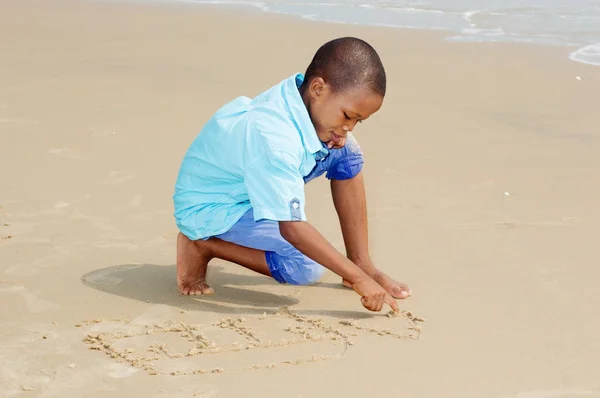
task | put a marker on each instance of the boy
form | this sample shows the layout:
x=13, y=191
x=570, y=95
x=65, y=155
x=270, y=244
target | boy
x=239, y=195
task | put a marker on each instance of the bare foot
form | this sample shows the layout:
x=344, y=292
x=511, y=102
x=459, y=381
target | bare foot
x=395, y=289
x=192, y=264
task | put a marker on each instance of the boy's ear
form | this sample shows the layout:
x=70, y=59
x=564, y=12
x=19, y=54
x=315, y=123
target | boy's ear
x=317, y=86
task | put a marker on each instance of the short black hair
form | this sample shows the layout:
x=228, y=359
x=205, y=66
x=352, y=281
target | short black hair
x=347, y=62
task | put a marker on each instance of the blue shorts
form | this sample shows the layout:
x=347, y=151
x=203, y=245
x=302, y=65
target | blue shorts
x=286, y=263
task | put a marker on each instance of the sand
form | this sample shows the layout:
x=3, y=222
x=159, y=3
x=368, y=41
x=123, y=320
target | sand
x=482, y=172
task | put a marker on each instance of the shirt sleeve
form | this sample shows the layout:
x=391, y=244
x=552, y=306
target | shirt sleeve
x=275, y=187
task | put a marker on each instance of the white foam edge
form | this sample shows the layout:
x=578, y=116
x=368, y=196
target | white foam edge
x=587, y=55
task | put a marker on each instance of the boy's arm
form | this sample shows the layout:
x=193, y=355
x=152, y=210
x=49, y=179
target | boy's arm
x=350, y=203
x=276, y=192
x=349, y=199
x=312, y=244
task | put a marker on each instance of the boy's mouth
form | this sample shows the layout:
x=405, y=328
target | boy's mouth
x=335, y=137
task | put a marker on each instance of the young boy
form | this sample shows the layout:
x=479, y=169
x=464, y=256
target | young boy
x=239, y=195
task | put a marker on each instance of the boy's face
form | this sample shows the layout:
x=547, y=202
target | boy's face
x=335, y=114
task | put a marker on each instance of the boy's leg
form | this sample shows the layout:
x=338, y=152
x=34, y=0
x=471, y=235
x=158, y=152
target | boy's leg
x=257, y=246
x=193, y=258
x=343, y=167
x=350, y=202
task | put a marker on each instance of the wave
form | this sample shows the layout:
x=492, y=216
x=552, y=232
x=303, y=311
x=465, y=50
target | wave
x=572, y=23
x=588, y=55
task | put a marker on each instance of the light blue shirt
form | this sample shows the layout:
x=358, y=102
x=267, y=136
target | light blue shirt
x=253, y=153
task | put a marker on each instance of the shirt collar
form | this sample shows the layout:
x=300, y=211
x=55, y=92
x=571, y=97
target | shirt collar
x=300, y=115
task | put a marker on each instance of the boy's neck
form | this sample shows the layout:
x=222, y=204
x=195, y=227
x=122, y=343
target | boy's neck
x=305, y=96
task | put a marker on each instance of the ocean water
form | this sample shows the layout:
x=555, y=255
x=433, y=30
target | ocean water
x=573, y=23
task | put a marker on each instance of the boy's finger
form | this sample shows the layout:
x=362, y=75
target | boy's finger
x=390, y=300
x=364, y=302
x=368, y=303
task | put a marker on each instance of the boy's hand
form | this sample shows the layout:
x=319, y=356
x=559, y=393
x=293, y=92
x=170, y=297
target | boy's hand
x=313, y=245
x=373, y=296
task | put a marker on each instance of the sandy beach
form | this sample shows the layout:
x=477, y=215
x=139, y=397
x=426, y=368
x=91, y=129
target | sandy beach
x=483, y=182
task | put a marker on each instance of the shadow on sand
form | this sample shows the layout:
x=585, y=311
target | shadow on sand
x=156, y=284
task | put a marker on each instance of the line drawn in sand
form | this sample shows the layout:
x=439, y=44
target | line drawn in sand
x=185, y=346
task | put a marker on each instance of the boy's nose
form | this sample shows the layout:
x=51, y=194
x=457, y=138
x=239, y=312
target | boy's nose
x=349, y=127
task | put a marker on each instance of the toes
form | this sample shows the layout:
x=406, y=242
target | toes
x=197, y=289
x=204, y=288
x=207, y=289
x=187, y=290
x=400, y=292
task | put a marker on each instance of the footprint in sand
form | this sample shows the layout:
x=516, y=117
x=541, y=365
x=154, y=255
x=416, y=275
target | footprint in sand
x=230, y=344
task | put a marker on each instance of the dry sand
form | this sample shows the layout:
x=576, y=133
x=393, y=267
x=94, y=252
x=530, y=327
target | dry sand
x=98, y=103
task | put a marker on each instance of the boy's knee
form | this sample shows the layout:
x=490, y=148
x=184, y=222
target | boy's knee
x=295, y=269
x=348, y=163
x=312, y=272
x=348, y=167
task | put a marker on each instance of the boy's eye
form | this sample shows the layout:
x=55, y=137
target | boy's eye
x=346, y=116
